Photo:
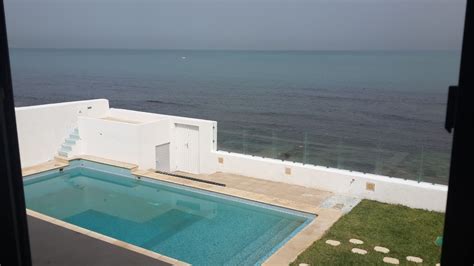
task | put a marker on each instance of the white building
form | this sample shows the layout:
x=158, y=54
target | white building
x=171, y=143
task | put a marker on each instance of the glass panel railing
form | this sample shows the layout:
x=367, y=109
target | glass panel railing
x=435, y=162
x=399, y=160
x=323, y=150
x=391, y=158
x=290, y=150
x=357, y=154
x=231, y=141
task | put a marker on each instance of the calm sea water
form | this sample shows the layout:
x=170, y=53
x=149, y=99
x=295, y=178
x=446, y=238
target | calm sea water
x=376, y=112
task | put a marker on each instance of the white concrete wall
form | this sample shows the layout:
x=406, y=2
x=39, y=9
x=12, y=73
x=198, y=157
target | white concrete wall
x=151, y=135
x=132, y=143
x=43, y=128
x=135, y=115
x=207, y=135
x=389, y=190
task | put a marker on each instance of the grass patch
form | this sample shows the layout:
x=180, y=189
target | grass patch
x=405, y=231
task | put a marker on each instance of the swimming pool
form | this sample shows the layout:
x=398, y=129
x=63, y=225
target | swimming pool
x=191, y=225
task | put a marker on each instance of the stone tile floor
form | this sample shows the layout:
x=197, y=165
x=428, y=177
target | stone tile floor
x=281, y=190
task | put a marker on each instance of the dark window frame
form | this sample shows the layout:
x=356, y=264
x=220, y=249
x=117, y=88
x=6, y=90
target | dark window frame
x=458, y=246
x=16, y=246
x=458, y=241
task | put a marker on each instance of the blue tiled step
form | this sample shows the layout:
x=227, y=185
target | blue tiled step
x=70, y=141
x=74, y=136
x=66, y=147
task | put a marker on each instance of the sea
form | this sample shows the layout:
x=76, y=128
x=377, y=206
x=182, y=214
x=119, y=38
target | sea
x=378, y=112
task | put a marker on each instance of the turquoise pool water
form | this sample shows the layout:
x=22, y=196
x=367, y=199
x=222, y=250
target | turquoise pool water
x=194, y=226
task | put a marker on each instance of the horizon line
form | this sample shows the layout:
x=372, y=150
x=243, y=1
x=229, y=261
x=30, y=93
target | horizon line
x=238, y=50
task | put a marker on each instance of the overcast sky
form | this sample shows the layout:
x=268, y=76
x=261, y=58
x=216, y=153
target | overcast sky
x=237, y=24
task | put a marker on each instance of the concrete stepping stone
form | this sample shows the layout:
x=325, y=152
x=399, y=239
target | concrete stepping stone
x=390, y=260
x=381, y=249
x=414, y=259
x=356, y=241
x=304, y=264
x=359, y=251
x=333, y=243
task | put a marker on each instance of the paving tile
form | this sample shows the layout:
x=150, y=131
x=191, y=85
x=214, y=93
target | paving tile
x=414, y=259
x=272, y=188
x=390, y=260
x=381, y=249
x=356, y=241
x=333, y=243
x=50, y=165
x=359, y=251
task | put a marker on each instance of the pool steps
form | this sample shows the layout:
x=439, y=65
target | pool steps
x=69, y=143
x=270, y=236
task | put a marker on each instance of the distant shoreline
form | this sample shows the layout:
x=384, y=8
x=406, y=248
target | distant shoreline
x=236, y=50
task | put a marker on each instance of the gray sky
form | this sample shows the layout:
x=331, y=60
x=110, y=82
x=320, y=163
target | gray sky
x=237, y=24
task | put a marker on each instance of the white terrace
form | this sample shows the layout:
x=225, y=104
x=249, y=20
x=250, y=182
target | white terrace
x=178, y=144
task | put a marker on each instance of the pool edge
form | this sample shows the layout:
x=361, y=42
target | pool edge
x=311, y=233
x=105, y=238
x=232, y=192
x=283, y=255
x=44, y=167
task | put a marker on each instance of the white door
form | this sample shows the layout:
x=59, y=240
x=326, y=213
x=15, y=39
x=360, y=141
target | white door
x=162, y=155
x=187, y=148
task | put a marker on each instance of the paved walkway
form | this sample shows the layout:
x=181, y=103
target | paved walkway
x=286, y=191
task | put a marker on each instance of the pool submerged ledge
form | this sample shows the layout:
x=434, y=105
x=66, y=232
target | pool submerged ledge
x=298, y=219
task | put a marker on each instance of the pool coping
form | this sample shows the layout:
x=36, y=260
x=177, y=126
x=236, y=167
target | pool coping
x=283, y=256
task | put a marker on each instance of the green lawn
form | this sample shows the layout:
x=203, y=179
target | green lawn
x=405, y=231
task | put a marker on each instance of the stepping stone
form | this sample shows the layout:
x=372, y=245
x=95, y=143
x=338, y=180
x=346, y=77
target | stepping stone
x=333, y=243
x=359, y=251
x=303, y=264
x=356, y=241
x=438, y=264
x=414, y=259
x=381, y=249
x=391, y=260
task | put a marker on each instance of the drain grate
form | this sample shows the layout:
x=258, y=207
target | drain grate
x=191, y=178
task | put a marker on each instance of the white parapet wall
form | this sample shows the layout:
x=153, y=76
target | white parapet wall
x=380, y=188
x=207, y=136
x=124, y=141
x=43, y=128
